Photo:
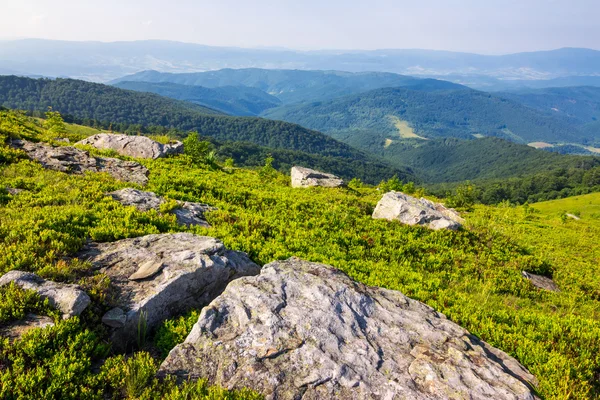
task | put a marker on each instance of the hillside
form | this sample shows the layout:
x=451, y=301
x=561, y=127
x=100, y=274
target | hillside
x=293, y=86
x=129, y=111
x=473, y=276
x=455, y=160
x=367, y=120
x=579, y=104
x=233, y=100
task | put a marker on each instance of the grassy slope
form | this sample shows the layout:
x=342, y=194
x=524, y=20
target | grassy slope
x=473, y=276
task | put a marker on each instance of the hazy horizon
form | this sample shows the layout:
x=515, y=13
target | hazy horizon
x=493, y=27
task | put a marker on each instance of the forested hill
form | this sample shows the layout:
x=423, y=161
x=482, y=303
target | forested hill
x=579, y=104
x=234, y=100
x=455, y=160
x=292, y=86
x=128, y=111
x=90, y=101
x=369, y=119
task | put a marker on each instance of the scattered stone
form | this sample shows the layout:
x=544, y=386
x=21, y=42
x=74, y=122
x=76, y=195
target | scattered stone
x=187, y=213
x=132, y=146
x=163, y=275
x=541, y=282
x=69, y=299
x=305, y=330
x=115, y=318
x=16, y=329
x=74, y=161
x=412, y=211
x=305, y=177
x=13, y=191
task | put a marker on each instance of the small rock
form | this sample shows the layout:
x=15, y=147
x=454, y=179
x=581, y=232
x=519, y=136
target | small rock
x=412, y=211
x=305, y=330
x=132, y=146
x=164, y=275
x=74, y=161
x=187, y=213
x=573, y=216
x=13, y=191
x=69, y=299
x=305, y=177
x=14, y=330
x=115, y=318
x=541, y=282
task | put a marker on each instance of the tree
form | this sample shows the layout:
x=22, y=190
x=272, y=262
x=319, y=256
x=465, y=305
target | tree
x=55, y=123
x=195, y=148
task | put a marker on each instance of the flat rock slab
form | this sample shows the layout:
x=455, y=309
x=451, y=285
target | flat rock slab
x=187, y=213
x=74, y=161
x=306, y=330
x=162, y=276
x=306, y=177
x=16, y=329
x=397, y=206
x=69, y=299
x=541, y=282
x=132, y=146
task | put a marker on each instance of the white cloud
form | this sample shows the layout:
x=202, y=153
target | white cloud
x=148, y=23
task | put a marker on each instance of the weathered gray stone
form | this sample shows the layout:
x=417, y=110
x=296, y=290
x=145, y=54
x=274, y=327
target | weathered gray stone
x=541, y=282
x=69, y=299
x=573, y=216
x=115, y=318
x=13, y=191
x=412, y=211
x=74, y=161
x=194, y=270
x=187, y=213
x=306, y=177
x=15, y=329
x=132, y=146
x=305, y=330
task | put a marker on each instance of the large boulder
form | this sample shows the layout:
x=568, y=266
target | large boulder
x=156, y=277
x=412, y=211
x=187, y=213
x=132, y=146
x=306, y=330
x=74, y=161
x=306, y=177
x=69, y=299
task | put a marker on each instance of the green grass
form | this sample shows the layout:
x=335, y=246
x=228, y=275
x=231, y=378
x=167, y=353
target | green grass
x=473, y=275
x=586, y=206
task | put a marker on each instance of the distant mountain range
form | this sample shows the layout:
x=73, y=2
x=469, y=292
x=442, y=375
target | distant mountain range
x=103, y=62
x=289, y=86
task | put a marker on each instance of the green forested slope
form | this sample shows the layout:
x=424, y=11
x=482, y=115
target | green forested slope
x=455, y=160
x=233, y=100
x=366, y=120
x=123, y=110
x=472, y=275
x=579, y=104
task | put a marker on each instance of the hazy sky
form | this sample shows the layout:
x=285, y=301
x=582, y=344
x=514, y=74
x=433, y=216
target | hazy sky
x=484, y=26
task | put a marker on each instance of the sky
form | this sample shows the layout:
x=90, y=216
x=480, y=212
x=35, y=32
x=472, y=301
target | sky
x=480, y=26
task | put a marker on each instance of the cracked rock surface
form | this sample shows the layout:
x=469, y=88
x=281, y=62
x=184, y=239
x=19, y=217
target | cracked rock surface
x=162, y=276
x=69, y=299
x=302, y=330
x=187, y=213
x=74, y=161
x=412, y=211
x=306, y=177
x=132, y=146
